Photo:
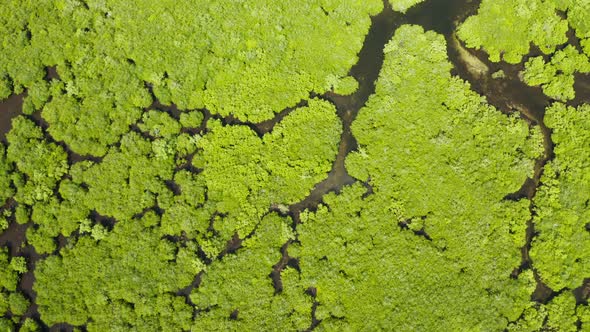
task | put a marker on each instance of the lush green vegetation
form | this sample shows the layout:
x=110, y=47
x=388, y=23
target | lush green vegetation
x=6, y=190
x=239, y=284
x=241, y=176
x=506, y=28
x=11, y=301
x=131, y=272
x=561, y=251
x=445, y=178
x=40, y=164
x=248, y=59
x=245, y=174
x=178, y=166
x=557, y=77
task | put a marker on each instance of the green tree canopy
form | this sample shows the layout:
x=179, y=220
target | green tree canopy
x=506, y=28
x=561, y=250
x=248, y=59
x=43, y=163
x=122, y=280
x=438, y=181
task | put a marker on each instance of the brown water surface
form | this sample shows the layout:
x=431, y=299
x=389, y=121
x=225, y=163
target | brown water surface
x=9, y=108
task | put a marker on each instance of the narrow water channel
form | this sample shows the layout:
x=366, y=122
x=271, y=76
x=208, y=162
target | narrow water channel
x=365, y=71
x=507, y=94
x=9, y=108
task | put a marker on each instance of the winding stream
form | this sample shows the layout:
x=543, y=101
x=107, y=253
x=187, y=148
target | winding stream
x=508, y=94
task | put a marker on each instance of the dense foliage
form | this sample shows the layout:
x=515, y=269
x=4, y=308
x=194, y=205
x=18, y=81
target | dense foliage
x=505, y=29
x=240, y=176
x=239, y=285
x=561, y=251
x=198, y=166
x=128, y=278
x=5, y=168
x=11, y=300
x=403, y=5
x=248, y=59
x=245, y=174
x=557, y=77
x=438, y=195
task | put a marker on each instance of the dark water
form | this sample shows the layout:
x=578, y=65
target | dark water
x=9, y=108
x=365, y=71
x=582, y=88
x=441, y=15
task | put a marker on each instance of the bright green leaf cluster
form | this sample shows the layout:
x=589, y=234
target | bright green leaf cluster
x=10, y=270
x=159, y=124
x=18, y=264
x=245, y=174
x=131, y=273
x=403, y=5
x=11, y=300
x=192, y=119
x=6, y=325
x=561, y=312
x=5, y=169
x=57, y=216
x=89, y=121
x=561, y=250
x=506, y=28
x=578, y=15
x=43, y=163
x=3, y=223
x=557, y=77
x=29, y=325
x=187, y=212
x=343, y=86
x=27, y=69
x=18, y=303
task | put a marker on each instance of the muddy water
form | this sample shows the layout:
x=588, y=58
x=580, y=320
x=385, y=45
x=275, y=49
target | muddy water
x=9, y=108
x=582, y=88
x=365, y=71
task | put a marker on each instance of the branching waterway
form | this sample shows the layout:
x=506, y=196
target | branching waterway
x=365, y=71
x=506, y=92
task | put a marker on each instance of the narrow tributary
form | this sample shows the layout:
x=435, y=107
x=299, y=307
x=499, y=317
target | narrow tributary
x=508, y=94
